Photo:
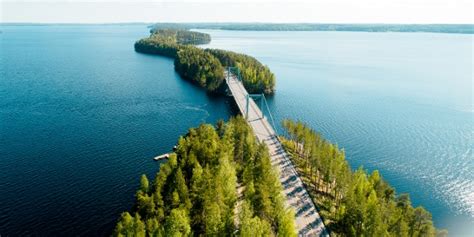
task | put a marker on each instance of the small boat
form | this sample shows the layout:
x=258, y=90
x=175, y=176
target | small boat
x=162, y=157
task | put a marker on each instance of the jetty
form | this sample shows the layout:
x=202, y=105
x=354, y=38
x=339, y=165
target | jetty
x=308, y=222
x=166, y=155
x=162, y=157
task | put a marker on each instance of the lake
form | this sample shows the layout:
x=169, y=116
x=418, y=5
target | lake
x=82, y=115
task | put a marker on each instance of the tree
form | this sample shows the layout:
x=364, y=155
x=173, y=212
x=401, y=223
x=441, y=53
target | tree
x=130, y=226
x=252, y=226
x=200, y=67
x=144, y=184
x=355, y=203
x=256, y=77
x=373, y=224
x=195, y=192
x=182, y=189
x=213, y=219
x=286, y=223
x=153, y=227
x=177, y=223
x=145, y=204
x=421, y=224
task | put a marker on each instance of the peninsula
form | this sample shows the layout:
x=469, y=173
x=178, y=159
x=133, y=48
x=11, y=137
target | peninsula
x=205, y=67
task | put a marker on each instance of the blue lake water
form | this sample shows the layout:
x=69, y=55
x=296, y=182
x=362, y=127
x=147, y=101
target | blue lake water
x=82, y=114
x=81, y=117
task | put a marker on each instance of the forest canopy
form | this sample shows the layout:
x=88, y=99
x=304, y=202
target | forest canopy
x=206, y=67
x=182, y=36
x=200, y=67
x=352, y=203
x=219, y=182
x=256, y=77
x=167, y=42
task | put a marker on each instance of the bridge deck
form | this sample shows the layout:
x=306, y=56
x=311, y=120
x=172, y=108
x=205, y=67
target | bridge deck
x=308, y=222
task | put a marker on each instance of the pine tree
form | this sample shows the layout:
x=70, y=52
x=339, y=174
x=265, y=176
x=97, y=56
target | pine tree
x=177, y=223
x=144, y=184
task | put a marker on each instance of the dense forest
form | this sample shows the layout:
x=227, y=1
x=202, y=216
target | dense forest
x=219, y=182
x=433, y=28
x=256, y=77
x=154, y=45
x=352, y=203
x=167, y=42
x=199, y=66
x=206, y=67
x=183, y=36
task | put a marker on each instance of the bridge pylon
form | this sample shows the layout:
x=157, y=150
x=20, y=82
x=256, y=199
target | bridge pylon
x=263, y=100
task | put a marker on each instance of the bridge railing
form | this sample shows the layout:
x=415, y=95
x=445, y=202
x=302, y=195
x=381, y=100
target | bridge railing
x=275, y=128
x=236, y=71
x=263, y=106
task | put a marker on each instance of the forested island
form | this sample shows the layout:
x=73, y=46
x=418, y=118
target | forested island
x=219, y=182
x=205, y=67
x=432, y=28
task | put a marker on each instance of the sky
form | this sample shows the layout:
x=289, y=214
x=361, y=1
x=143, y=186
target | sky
x=311, y=11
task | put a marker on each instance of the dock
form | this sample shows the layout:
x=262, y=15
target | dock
x=162, y=157
x=166, y=155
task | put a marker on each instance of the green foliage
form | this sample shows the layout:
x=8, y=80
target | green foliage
x=182, y=36
x=177, y=223
x=352, y=203
x=167, y=42
x=157, y=45
x=199, y=66
x=257, y=78
x=192, y=37
x=286, y=225
x=195, y=192
x=144, y=184
x=205, y=67
x=253, y=226
x=130, y=226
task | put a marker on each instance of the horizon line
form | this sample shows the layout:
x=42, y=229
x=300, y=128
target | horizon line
x=230, y=22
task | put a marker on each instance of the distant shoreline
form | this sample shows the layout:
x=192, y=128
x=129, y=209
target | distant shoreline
x=429, y=28
x=376, y=27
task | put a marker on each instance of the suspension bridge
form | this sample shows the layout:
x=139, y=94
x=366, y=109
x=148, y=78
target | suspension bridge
x=308, y=221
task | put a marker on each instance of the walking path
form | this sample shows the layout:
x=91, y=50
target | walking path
x=308, y=221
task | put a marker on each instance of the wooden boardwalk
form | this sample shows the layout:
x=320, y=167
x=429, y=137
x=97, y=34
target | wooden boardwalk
x=308, y=221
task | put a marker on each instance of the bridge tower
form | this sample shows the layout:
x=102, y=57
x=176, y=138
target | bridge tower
x=263, y=100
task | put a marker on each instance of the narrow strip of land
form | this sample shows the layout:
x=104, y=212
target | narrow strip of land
x=308, y=221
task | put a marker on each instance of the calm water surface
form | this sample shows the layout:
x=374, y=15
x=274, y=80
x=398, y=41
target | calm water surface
x=81, y=117
x=82, y=114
